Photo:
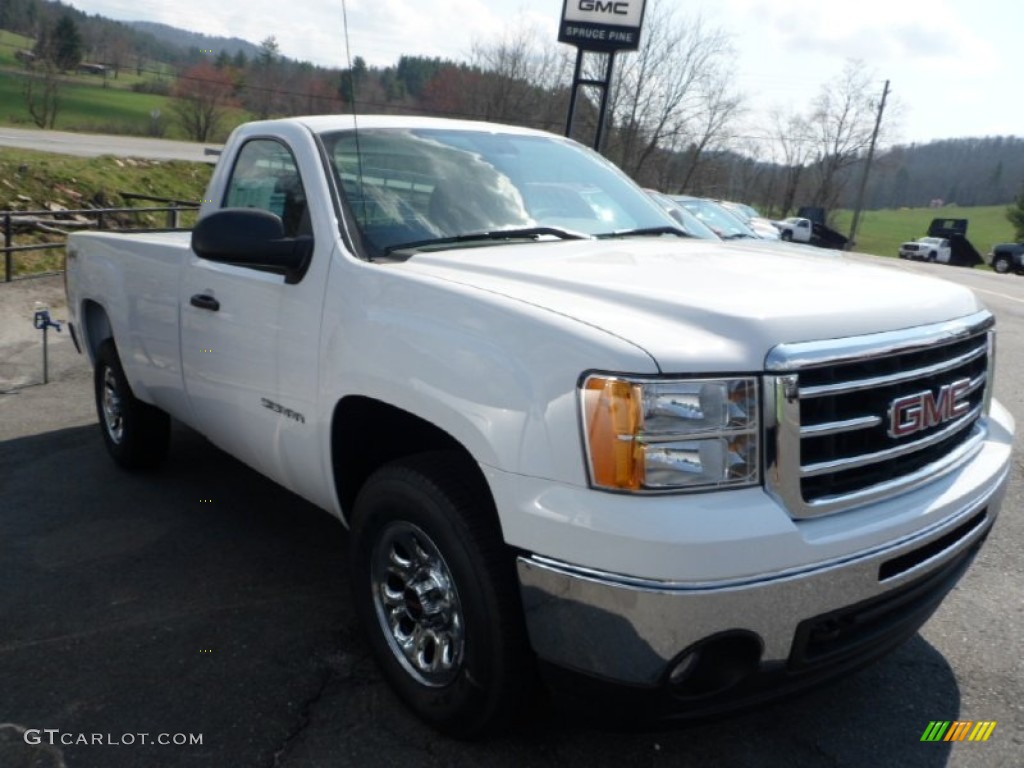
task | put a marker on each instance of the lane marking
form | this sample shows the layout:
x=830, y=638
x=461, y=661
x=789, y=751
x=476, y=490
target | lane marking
x=996, y=293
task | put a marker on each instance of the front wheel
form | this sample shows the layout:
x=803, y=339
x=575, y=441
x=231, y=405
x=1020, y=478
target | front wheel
x=136, y=434
x=1001, y=264
x=435, y=589
x=787, y=236
x=932, y=257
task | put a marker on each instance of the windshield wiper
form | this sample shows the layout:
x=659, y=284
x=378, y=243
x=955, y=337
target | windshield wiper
x=497, y=234
x=647, y=231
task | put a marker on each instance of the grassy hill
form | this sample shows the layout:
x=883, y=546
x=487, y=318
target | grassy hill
x=9, y=44
x=881, y=232
x=32, y=180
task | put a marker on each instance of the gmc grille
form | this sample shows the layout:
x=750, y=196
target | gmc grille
x=860, y=419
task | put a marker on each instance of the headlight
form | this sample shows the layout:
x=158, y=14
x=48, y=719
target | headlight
x=664, y=435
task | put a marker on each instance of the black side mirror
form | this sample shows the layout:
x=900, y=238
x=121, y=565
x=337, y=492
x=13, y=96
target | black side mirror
x=251, y=237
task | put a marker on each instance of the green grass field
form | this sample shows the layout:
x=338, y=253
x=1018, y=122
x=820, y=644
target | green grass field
x=881, y=232
x=9, y=44
x=89, y=108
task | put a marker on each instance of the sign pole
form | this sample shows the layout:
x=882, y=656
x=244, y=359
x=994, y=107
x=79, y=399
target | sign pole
x=598, y=26
x=573, y=93
x=605, y=88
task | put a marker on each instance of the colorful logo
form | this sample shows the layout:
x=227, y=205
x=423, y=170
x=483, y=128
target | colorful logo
x=958, y=730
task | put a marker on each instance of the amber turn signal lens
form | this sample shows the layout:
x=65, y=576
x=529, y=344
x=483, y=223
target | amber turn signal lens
x=613, y=419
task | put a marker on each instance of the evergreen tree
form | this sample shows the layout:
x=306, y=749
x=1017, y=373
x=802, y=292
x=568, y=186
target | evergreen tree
x=66, y=44
x=269, y=52
x=1015, y=213
x=351, y=79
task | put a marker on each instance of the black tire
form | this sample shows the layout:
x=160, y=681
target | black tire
x=429, y=516
x=1001, y=264
x=932, y=257
x=136, y=434
x=787, y=236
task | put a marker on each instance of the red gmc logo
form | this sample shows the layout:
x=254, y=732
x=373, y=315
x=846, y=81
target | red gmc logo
x=913, y=413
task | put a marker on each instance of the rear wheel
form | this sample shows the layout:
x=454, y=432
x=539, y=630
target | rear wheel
x=1001, y=264
x=435, y=589
x=136, y=434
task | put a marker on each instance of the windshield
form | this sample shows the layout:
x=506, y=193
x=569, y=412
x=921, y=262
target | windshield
x=437, y=187
x=726, y=225
x=689, y=222
x=743, y=210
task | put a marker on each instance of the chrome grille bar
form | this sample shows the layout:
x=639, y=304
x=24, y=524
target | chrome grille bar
x=839, y=427
x=840, y=465
x=894, y=378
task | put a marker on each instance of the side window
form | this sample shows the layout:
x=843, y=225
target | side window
x=265, y=176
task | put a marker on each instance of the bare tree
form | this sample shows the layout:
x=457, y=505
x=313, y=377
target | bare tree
x=841, y=122
x=202, y=96
x=795, y=141
x=116, y=54
x=518, y=77
x=672, y=92
x=710, y=126
x=41, y=91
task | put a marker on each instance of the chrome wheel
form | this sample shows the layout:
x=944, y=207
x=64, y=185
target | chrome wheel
x=417, y=604
x=113, y=418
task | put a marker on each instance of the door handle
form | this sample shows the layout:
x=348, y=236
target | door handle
x=204, y=301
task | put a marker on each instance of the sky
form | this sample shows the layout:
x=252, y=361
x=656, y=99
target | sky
x=954, y=65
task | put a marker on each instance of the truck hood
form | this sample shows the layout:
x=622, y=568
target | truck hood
x=696, y=305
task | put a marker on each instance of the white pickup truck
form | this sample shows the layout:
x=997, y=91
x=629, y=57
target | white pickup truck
x=567, y=438
x=795, y=229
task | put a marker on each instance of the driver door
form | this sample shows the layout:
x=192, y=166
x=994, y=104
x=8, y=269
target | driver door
x=248, y=339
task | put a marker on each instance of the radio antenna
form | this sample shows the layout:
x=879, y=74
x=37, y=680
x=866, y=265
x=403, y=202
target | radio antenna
x=355, y=116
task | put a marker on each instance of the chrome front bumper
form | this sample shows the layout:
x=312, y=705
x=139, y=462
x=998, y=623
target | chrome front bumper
x=633, y=631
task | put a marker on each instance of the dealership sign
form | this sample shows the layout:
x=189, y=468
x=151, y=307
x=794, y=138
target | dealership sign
x=602, y=25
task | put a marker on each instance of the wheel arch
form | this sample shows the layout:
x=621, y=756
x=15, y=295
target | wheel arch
x=96, y=327
x=367, y=433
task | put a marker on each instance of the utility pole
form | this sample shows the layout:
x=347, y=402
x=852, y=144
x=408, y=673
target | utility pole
x=867, y=167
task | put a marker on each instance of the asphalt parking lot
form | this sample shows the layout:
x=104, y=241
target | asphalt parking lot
x=205, y=600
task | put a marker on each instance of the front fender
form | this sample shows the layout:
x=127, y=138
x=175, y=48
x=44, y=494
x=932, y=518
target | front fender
x=496, y=374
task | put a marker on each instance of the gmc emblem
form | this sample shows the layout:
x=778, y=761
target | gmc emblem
x=913, y=413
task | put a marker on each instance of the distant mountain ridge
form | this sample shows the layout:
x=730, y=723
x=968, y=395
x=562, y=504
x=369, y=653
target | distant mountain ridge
x=186, y=39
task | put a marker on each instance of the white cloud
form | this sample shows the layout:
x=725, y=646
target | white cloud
x=880, y=32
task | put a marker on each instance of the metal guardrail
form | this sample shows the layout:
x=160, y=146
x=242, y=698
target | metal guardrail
x=101, y=215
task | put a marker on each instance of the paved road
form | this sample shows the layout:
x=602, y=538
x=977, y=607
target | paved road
x=206, y=600
x=93, y=145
